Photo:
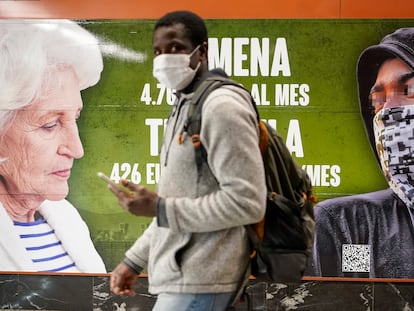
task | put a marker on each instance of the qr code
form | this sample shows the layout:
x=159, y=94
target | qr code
x=356, y=257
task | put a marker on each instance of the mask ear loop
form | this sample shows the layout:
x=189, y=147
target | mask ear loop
x=195, y=50
x=189, y=58
x=191, y=55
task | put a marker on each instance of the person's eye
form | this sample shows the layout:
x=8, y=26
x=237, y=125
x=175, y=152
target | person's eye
x=177, y=48
x=49, y=125
x=409, y=90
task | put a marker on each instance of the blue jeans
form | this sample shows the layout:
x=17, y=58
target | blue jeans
x=192, y=302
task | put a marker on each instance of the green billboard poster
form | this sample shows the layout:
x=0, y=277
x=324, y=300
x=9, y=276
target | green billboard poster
x=301, y=72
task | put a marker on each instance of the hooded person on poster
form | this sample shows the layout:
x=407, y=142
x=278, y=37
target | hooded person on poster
x=372, y=234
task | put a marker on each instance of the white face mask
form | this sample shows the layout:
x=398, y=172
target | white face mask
x=173, y=70
x=394, y=137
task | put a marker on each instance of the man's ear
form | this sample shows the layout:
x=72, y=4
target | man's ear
x=204, y=50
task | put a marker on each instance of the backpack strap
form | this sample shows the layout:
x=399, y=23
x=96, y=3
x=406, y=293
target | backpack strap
x=193, y=123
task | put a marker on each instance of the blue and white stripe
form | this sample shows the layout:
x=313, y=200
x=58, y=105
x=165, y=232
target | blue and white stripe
x=44, y=248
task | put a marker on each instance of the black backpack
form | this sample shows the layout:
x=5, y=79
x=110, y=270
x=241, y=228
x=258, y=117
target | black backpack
x=282, y=241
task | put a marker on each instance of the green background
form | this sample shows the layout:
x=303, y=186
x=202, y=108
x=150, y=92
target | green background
x=322, y=54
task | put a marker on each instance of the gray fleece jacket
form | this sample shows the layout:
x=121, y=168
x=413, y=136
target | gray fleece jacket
x=202, y=245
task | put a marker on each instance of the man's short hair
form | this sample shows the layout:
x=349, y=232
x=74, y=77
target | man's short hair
x=194, y=26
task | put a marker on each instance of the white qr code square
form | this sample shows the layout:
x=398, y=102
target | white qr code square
x=356, y=257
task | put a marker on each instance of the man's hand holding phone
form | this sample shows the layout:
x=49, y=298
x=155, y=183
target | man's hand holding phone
x=136, y=199
x=109, y=181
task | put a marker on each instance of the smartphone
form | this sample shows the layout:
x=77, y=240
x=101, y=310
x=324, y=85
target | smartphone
x=111, y=182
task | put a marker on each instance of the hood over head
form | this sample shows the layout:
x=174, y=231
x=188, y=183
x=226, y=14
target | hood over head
x=399, y=44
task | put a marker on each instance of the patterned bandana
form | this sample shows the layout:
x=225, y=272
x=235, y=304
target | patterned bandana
x=394, y=137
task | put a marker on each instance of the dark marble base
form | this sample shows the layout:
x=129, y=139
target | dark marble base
x=92, y=293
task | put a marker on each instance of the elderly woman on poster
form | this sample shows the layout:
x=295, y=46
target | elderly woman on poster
x=43, y=67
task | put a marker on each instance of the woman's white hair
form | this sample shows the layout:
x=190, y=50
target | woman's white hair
x=29, y=48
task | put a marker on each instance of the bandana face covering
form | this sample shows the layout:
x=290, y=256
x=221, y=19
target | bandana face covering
x=394, y=137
